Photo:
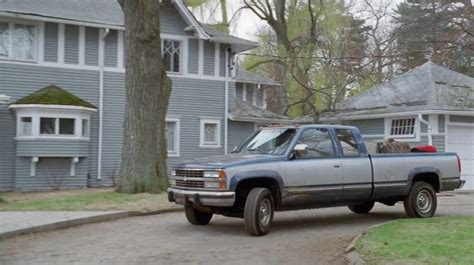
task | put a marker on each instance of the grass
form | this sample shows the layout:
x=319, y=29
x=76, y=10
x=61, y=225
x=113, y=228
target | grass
x=441, y=240
x=83, y=200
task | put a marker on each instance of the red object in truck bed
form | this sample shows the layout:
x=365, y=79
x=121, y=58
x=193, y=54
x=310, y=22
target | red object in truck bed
x=425, y=149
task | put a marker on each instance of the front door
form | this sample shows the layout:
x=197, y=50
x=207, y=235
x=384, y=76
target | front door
x=314, y=176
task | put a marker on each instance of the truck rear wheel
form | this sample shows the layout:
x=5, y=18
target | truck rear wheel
x=422, y=201
x=196, y=217
x=363, y=208
x=258, y=211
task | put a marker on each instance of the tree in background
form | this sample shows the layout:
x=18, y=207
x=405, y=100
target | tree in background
x=148, y=90
x=208, y=8
x=437, y=30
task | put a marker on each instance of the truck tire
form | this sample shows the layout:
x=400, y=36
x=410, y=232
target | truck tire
x=421, y=202
x=196, y=217
x=258, y=211
x=363, y=208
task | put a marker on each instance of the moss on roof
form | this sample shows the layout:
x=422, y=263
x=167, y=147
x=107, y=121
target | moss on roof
x=54, y=95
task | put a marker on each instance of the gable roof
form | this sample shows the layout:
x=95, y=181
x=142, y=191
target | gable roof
x=108, y=13
x=426, y=87
x=244, y=76
x=243, y=111
x=53, y=95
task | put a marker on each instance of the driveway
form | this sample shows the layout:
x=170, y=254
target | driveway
x=298, y=237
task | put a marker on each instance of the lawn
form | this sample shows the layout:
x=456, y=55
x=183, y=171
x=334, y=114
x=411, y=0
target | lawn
x=83, y=200
x=441, y=240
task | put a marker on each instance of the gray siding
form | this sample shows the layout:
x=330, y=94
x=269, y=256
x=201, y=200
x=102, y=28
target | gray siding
x=172, y=22
x=368, y=127
x=209, y=58
x=193, y=53
x=222, y=54
x=51, y=173
x=238, y=132
x=51, y=42
x=91, y=46
x=110, y=49
x=463, y=119
x=52, y=148
x=7, y=145
x=71, y=44
x=441, y=123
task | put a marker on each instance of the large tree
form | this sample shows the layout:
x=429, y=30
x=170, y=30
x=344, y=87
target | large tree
x=148, y=90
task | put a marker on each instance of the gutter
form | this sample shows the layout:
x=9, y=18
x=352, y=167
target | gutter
x=226, y=101
x=430, y=129
x=101, y=101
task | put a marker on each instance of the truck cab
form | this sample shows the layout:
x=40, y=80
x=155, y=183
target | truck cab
x=311, y=166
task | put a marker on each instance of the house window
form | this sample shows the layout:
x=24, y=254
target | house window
x=171, y=50
x=172, y=136
x=85, y=128
x=403, y=127
x=210, y=133
x=239, y=91
x=18, y=41
x=48, y=126
x=66, y=126
x=25, y=126
x=57, y=126
x=260, y=97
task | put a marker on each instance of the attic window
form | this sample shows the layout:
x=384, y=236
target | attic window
x=403, y=127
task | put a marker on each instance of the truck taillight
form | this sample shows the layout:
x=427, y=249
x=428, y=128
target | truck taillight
x=459, y=163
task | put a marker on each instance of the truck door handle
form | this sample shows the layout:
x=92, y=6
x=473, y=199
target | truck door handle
x=337, y=166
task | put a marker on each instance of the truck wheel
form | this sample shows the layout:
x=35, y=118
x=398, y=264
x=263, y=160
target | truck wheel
x=421, y=202
x=196, y=217
x=258, y=211
x=363, y=208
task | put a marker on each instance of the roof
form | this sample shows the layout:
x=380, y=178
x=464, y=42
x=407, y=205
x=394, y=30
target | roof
x=245, y=76
x=427, y=87
x=243, y=111
x=53, y=95
x=109, y=13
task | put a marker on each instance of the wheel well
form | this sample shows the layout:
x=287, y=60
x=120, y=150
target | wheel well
x=430, y=178
x=245, y=186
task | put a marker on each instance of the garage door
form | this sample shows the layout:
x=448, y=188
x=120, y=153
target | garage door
x=461, y=141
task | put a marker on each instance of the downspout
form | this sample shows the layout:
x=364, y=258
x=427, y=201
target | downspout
x=101, y=101
x=226, y=101
x=430, y=129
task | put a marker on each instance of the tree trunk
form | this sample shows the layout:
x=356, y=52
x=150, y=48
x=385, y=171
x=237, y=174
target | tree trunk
x=148, y=90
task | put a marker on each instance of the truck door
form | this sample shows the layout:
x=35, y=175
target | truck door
x=314, y=175
x=356, y=167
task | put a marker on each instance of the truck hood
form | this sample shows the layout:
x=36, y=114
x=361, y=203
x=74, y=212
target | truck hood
x=223, y=161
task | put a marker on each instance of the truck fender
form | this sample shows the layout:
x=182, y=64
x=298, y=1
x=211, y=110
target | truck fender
x=423, y=170
x=237, y=178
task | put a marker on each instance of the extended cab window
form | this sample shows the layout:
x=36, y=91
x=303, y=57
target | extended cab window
x=318, y=143
x=347, y=142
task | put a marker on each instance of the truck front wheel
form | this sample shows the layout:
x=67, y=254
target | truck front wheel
x=363, y=208
x=258, y=211
x=422, y=201
x=196, y=217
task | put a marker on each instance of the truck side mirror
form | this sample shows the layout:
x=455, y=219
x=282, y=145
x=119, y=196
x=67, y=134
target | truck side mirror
x=300, y=147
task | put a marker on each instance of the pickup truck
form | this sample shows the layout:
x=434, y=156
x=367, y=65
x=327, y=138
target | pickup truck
x=310, y=166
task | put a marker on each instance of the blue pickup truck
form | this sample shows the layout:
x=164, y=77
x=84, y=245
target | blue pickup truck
x=310, y=166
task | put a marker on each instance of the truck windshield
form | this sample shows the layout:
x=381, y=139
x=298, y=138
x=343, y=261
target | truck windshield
x=269, y=141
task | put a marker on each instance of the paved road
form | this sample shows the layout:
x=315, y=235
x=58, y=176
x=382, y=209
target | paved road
x=299, y=237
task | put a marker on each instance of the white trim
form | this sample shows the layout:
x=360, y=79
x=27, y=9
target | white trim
x=183, y=52
x=34, y=161
x=74, y=161
x=102, y=35
x=46, y=107
x=82, y=45
x=434, y=122
x=120, y=48
x=201, y=58
x=40, y=46
x=226, y=105
x=217, y=143
x=415, y=137
x=217, y=59
x=177, y=136
x=61, y=39
x=186, y=14
x=462, y=124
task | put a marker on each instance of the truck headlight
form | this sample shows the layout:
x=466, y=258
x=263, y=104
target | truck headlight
x=219, y=176
x=173, y=173
x=211, y=174
x=212, y=185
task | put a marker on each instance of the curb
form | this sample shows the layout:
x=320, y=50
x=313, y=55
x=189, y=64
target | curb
x=82, y=221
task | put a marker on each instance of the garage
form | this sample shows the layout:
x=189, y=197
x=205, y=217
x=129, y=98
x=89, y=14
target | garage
x=461, y=140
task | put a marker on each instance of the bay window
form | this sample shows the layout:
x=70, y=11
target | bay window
x=18, y=41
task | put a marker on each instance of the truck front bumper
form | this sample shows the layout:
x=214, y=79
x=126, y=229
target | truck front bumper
x=205, y=198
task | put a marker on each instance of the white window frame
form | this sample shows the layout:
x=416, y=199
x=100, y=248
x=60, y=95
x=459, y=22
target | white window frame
x=20, y=126
x=37, y=40
x=182, y=51
x=415, y=137
x=202, y=142
x=175, y=153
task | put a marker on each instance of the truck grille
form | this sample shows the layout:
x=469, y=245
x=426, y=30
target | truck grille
x=189, y=173
x=190, y=183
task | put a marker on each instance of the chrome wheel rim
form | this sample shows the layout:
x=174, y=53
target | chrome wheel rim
x=424, y=201
x=264, y=212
